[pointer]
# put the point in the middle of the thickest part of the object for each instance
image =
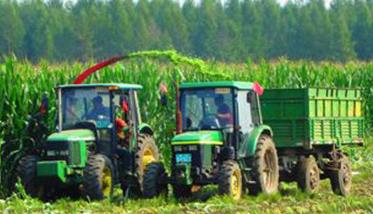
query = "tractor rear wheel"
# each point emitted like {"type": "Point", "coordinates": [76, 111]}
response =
{"type": "Point", "coordinates": [26, 171]}
{"type": "Point", "coordinates": [98, 178]}
{"type": "Point", "coordinates": [147, 152]}
{"type": "Point", "coordinates": [182, 191]}
{"type": "Point", "coordinates": [308, 178]}
{"type": "Point", "coordinates": [154, 180]}
{"type": "Point", "coordinates": [341, 180]}
{"type": "Point", "coordinates": [230, 180]}
{"type": "Point", "coordinates": [265, 167]}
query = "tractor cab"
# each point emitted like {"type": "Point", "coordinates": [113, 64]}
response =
{"type": "Point", "coordinates": [99, 111]}
{"type": "Point", "coordinates": [229, 109]}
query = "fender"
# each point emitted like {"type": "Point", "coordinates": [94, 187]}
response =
{"type": "Point", "coordinates": [145, 128]}
{"type": "Point", "coordinates": [249, 147]}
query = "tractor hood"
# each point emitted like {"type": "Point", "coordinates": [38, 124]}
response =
{"type": "Point", "coordinates": [198, 137]}
{"type": "Point", "coordinates": [73, 135]}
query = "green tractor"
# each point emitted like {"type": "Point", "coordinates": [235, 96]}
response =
{"type": "Point", "coordinates": [100, 142]}
{"type": "Point", "coordinates": [221, 140]}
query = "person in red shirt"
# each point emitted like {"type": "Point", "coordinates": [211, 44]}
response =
{"type": "Point", "coordinates": [121, 125]}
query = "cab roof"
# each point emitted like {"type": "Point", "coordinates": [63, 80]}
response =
{"type": "Point", "coordinates": [217, 84]}
{"type": "Point", "coordinates": [119, 85]}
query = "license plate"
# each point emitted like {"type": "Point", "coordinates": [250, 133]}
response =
{"type": "Point", "coordinates": [183, 158]}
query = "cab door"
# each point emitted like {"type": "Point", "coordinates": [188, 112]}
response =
{"type": "Point", "coordinates": [245, 115]}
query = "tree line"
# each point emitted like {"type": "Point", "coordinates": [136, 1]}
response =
{"type": "Point", "coordinates": [231, 30]}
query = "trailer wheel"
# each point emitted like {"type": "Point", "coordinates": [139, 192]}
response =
{"type": "Point", "coordinates": [341, 180]}
{"type": "Point", "coordinates": [154, 180]}
{"type": "Point", "coordinates": [308, 178]}
{"type": "Point", "coordinates": [265, 167]}
{"type": "Point", "coordinates": [26, 171]}
{"type": "Point", "coordinates": [98, 178]}
{"type": "Point", "coordinates": [230, 180]}
{"type": "Point", "coordinates": [182, 191]}
{"type": "Point", "coordinates": [147, 152]}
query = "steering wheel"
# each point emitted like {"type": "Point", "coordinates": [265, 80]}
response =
{"type": "Point", "coordinates": [210, 121]}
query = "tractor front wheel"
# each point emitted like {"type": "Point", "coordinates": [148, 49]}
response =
{"type": "Point", "coordinates": [341, 179]}
{"type": "Point", "coordinates": [26, 171]}
{"type": "Point", "coordinates": [154, 182]}
{"type": "Point", "coordinates": [265, 167]}
{"type": "Point", "coordinates": [98, 178]}
{"type": "Point", "coordinates": [230, 180]}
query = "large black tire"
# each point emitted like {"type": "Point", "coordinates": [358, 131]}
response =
{"type": "Point", "coordinates": [265, 167]}
{"type": "Point", "coordinates": [154, 182]}
{"type": "Point", "coordinates": [230, 180]}
{"type": "Point", "coordinates": [26, 171]}
{"type": "Point", "coordinates": [182, 191]}
{"type": "Point", "coordinates": [145, 144]}
{"type": "Point", "coordinates": [308, 175]}
{"type": "Point", "coordinates": [341, 180]}
{"type": "Point", "coordinates": [98, 178]}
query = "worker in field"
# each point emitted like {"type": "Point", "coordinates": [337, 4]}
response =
{"type": "Point", "coordinates": [224, 113]}
{"type": "Point", "coordinates": [122, 121]}
{"type": "Point", "coordinates": [123, 134]}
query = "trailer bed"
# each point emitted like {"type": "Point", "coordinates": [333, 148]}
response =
{"type": "Point", "coordinates": [313, 116]}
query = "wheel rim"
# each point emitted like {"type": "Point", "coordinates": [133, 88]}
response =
{"type": "Point", "coordinates": [314, 177]}
{"type": "Point", "coordinates": [268, 170]}
{"type": "Point", "coordinates": [236, 184]}
{"type": "Point", "coordinates": [106, 183]}
{"type": "Point", "coordinates": [148, 157]}
{"type": "Point", "coordinates": [346, 176]}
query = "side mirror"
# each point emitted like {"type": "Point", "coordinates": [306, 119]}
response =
{"type": "Point", "coordinates": [163, 90]}
{"type": "Point", "coordinates": [44, 106]}
{"type": "Point", "coordinates": [249, 96]}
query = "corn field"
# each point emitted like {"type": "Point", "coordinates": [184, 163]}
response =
{"type": "Point", "coordinates": [22, 85]}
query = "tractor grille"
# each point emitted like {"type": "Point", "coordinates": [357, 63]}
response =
{"type": "Point", "coordinates": [58, 150]}
{"type": "Point", "coordinates": [74, 153]}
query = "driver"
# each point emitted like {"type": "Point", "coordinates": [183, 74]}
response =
{"type": "Point", "coordinates": [224, 113]}
{"type": "Point", "coordinates": [98, 109]}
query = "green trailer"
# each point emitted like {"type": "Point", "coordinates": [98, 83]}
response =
{"type": "Point", "coordinates": [310, 125]}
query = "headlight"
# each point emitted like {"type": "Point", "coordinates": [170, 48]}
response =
{"type": "Point", "coordinates": [193, 148]}
{"type": "Point", "coordinates": [51, 153]}
{"type": "Point", "coordinates": [178, 148]}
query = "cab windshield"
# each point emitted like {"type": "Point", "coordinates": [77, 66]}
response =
{"type": "Point", "coordinates": [206, 109]}
{"type": "Point", "coordinates": [85, 104]}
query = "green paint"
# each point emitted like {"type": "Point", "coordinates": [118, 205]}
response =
{"type": "Point", "coordinates": [303, 117]}
{"type": "Point", "coordinates": [197, 143]}
{"type": "Point", "coordinates": [198, 137]}
{"type": "Point", "coordinates": [145, 128]}
{"type": "Point", "coordinates": [217, 84]}
{"type": "Point", "coordinates": [72, 135]}
{"type": "Point", "coordinates": [119, 85]}
{"type": "Point", "coordinates": [55, 169]}
{"type": "Point", "coordinates": [248, 148]}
